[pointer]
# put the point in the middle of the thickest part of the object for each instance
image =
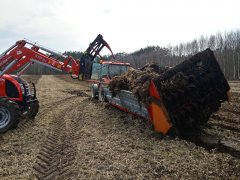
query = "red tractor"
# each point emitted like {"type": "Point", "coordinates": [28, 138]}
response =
{"type": "Point", "coordinates": [17, 97]}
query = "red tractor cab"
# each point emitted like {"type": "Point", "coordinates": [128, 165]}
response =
{"type": "Point", "coordinates": [101, 75]}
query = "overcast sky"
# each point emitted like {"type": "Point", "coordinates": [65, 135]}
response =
{"type": "Point", "coordinates": [127, 25]}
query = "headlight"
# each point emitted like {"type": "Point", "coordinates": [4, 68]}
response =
{"type": "Point", "coordinates": [25, 88]}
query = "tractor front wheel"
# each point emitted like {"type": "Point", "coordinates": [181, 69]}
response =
{"type": "Point", "coordinates": [9, 114]}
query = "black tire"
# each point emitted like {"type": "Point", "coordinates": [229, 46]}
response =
{"type": "Point", "coordinates": [33, 109]}
{"type": "Point", "coordinates": [9, 114]}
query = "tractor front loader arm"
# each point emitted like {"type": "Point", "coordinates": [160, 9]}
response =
{"type": "Point", "coordinates": [24, 53]}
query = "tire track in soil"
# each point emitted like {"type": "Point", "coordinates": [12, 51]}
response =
{"type": "Point", "coordinates": [224, 122]}
{"type": "Point", "coordinates": [26, 123]}
{"type": "Point", "coordinates": [211, 140]}
{"type": "Point", "coordinates": [222, 135]}
{"type": "Point", "coordinates": [230, 110]}
{"type": "Point", "coordinates": [221, 117]}
{"type": "Point", "coordinates": [47, 108]}
{"type": "Point", "coordinates": [226, 126]}
{"type": "Point", "coordinates": [58, 153]}
{"type": "Point", "coordinates": [30, 134]}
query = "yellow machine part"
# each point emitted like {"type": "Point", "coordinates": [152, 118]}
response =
{"type": "Point", "coordinates": [159, 115]}
{"type": "Point", "coordinates": [160, 119]}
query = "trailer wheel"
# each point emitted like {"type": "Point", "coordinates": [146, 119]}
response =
{"type": "Point", "coordinates": [101, 96]}
{"type": "Point", "coordinates": [33, 109]}
{"type": "Point", "coordinates": [93, 93]}
{"type": "Point", "coordinates": [9, 114]}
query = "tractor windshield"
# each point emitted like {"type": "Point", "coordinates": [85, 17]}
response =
{"type": "Point", "coordinates": [117, 69]}
{"type": "Point", "coordinates": [111, 70]}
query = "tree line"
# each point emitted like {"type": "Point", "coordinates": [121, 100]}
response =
{"type": "Point", "coordinates": [226, 47]}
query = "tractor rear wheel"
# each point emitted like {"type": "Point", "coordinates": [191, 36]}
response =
{"type": "Point", "coordinates": [9, 114]}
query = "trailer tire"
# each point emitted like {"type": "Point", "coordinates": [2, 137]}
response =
{"type": "Point", "coordinates": [93, 93]}
{"type": "Point", "coordinates": [101, 96]}
{"type": "Point", "coordinates": [33, 109]}
{"type": "Point", "coordinates": [9, 114]}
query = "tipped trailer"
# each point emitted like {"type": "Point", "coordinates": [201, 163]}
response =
{"type": "Point", "coordinates": [176, 111]}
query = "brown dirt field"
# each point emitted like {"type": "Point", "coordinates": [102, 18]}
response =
{"type": "Point", "coordinates": [75, 138]}
{"type": "Point", "coordinates": [32, 79]}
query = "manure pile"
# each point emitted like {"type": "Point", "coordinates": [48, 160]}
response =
{"type": "Point", "coordinates": [191, 91]}
{"type": "Point", "coordinates": [137, 81]}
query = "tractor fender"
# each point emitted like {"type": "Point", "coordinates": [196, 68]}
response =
{"type": "Point", "coordinates": [14, 81]}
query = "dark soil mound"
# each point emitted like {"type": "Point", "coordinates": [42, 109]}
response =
{"type": "Point", "coordinates": [192, 91]}
{"type": "Point", "coordinates": [153, 67]}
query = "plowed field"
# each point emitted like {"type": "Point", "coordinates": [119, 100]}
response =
{"type": "Point", "coordinates": [73, 137]}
